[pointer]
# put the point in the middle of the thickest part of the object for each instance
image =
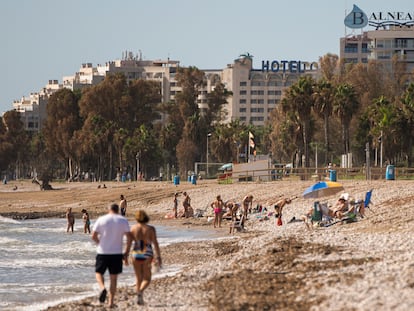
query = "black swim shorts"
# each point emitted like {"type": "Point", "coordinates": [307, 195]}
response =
{"type": "Point", "coordinates": [111, 262]}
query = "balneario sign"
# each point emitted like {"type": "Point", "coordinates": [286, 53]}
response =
{"type": "Point", "coordinates": [358, 19]}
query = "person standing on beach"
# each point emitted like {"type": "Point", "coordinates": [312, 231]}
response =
{"type": "Point", "coordinates": [108, 232]}
{"type": "Point", "coordinates": [186, 205]}
{"type": "Point", "coordinates": [175, 208]}
{"type": "Point", "coordinates": [145, 243]}
{"type": "Point", "coordinates": [123, 205]}
{"type": "Point", "coordinates": [217, 206]}
{"type": "Point", "coordinates": [247, 204]}
{"type": "Point", "coordinates": [86, 221]}
{"type": "Point", "coordinates": [279, 208]}
{"type": "Point", "coordinates": [70, 219]}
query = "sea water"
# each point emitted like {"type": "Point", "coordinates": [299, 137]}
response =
{"type": "Point", "coordinates": [42, 265]}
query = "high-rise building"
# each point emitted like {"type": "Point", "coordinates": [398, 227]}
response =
{"type": "Point", "coordinates": [390, 40]}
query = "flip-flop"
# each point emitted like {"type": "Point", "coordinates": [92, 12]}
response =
{"type": "Point", "coordinates": [102, 296]}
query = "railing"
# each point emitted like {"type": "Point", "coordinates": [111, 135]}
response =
{"type": "Point", "coordinates": [317, 174]}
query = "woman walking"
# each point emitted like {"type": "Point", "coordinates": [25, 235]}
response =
{"type": "Point", "coordinates": [145, 243]}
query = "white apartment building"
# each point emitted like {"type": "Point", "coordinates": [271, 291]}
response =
{"type": "Point", "coordinates": [33, 108]}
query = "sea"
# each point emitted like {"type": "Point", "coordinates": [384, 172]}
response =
{"type": "Point", "coordinates": [41, 265]}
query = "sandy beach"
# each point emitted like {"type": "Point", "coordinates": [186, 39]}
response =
{"type": "Point", "coordinates": [364, 265]}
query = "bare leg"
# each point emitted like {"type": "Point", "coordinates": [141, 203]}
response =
{"type": "Point", "coordinates": [138, 268]}
{"type": "Point", "coordinates": [100, 280]}
{"type": "Point", "coordinates": [146, 275]}
{"type": "Point", "coordinates": [112, 289]}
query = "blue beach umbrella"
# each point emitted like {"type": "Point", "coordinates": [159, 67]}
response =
{"type": "Point", "coordinates": [321, 189]}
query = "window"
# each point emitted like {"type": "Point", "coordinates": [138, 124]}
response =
{"type": "Point", "coordinates": [243, 83]}
{"type": "Point", "coordinates": [260, 110]}
{"type": "Point", "coordinates": [242, 110]}
{"type": "Point", "coordinates": [242, 118]}
{"type": "Point", "coordinates": [257, 92]}
{"type": "Point", "coordinates": [274, 92]}
{"type": "Point", "coordinates": [351, 48]}
{"type": "Point", "coordinates": [257, 118]}
{"type": "Point", "coordinates": [242, 102]}
{"type": "Point", "coordinates": [272, 83]}
{"type": "Point", "coordinates": [258, 83]}
{"type": "Point", "coordinates": [253, 101]}
{"type": "Point", "coordinates": [243, 92]}
{"type": "Point", "coordinates": [272, 101]}
{"type": "Point", "coordinates": [260, 101]}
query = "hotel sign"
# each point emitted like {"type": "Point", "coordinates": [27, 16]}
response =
{"type": "Point", "coordinates": [292, 66]}
{"type": "Point", "coordinates": [358, 19]}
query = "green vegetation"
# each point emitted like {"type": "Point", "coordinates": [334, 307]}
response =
{"type": "Point", "coordinates": [114, 127]}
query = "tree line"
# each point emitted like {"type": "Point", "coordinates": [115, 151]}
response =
{"type": "Point", "coordinates": [105, 129]}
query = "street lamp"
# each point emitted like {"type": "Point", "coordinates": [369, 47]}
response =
{"type": "Point", "coordinates": [137, 158]}
{"type": "Point", "coordinates": [208, 135]}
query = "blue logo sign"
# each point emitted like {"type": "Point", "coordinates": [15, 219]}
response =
{"type": "Point", "coordinates": [356, 19]}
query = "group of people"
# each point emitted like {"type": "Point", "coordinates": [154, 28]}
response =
{"type": "Point", "coordinates": [343, 206]}
{"type": "Point", "coordinates": [187, 211]}
{"type": "Point", "coordinates": [70, 217]}
{"type": "Point", "coordinates": [141, 249]}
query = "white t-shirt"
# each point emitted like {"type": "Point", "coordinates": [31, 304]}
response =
{"type": "Point", "coordinates": [111, 229]}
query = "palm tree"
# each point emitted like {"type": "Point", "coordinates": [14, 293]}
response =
{"type": "Point", "coordinates": [323, 106]}
{"type": "Point", "coordinates": [345, 106]}
{"type": "Point", "coordinates": [299, 101]}
{"type": "Point", "coordinates": [408, 115]}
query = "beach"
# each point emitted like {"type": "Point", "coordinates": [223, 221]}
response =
{"type": "Point", "coordinates": [363, 265]}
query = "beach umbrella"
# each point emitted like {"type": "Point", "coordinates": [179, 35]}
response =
{"type": "Point", "coordinates": [321, 189]}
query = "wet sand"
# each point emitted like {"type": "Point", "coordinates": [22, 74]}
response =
{"type": "Point", "coordinates": [365, 265]}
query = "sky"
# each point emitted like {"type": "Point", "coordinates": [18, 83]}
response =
{"type": "Point", "coordinates": [42, 40]}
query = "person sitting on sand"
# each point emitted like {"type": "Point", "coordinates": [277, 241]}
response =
{"type": "Point", "coordinates": [247, 204]}
{"type": "Point", "coordinates": [217, 206]}
{"type": "Point", "coordinates": [145, 238]}
{"type": "Point", "coordinates": [70, 219]}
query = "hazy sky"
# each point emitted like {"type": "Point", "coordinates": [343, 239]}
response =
{"type": "Point", "coordinates": [43, 40]}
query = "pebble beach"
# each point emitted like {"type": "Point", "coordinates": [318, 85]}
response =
{"type": "Point", "coordinates": [364, 265]}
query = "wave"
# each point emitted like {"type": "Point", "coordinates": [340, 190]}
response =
{"type": "Point", "coordinates": [8, 220]}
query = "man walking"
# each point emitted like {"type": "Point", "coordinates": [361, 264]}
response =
{"type": "Point", "coordinates": [108, 232]}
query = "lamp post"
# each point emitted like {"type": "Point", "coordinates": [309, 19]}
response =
{"type": "Point", "coordinates": [137, 158]}
{"type": "Point", "coordinates": [208, 135]}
